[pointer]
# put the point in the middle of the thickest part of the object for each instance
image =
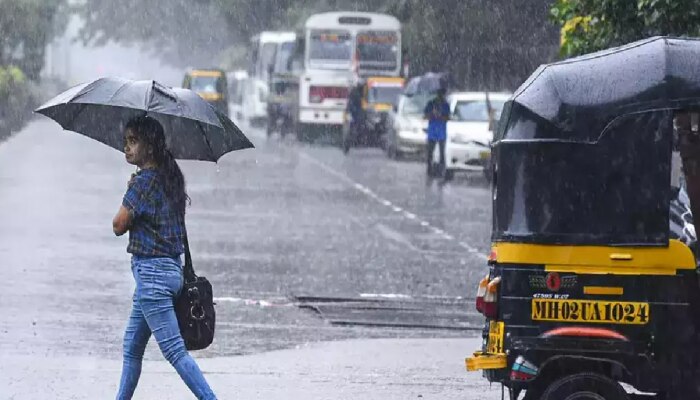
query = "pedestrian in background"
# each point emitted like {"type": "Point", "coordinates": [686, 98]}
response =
{"type": "Point", "coordinates": [437, 112]}
{"type": "Point", "coordinates": [153, 212]}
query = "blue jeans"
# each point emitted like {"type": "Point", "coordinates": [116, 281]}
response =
{"type": "Point", "coordinates": [158, 283]}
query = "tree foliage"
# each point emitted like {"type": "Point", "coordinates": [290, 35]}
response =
{"type": "Point", "coordinates": [183, 32]}
{"type": "Point", "coordinates": [590, 25]}
{"type": "Point", "coordinates": [484, 45]}
{"type": "Point", "coordinates": [26, 26]}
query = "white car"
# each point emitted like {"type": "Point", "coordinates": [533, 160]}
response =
{"type": "Point", "coordinates": [469, 137]}
{"type": "Point", "coordinates": [405, 132]}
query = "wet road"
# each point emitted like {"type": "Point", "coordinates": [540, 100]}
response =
{"type": "Point", "coordinates": [301, 243]}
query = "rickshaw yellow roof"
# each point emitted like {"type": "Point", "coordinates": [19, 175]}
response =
{"type": "Point", "coordinates": [204, 72]}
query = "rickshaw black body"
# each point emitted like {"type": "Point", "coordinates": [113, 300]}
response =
{"type": "Point", "coordinates": [582, 166]}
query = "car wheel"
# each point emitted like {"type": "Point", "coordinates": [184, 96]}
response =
{"type": "Point", "coordinates": [584, 386]}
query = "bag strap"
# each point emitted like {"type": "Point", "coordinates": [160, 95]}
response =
{"type": "Point", "coordinates": [188, 270]}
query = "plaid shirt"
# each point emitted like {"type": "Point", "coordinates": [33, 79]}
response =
{"type": "Point", "coordinates": [156, 229]}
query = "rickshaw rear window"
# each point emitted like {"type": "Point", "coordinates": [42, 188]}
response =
{"type": "Point", "coordinates": [384, 94]}
{"type": "Point", "coordinates": [614, 191]}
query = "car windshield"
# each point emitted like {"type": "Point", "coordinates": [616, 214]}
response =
{"type": "Point", "coordinates": [414, 105]}
{"type": "Point", "coordinates": [204, 84]}
{"type": "Point", "coordinates": [330, 46]}
{"type": "Point", "coordinates": [477, 110]}
{"type": "Point", "coordinates": [384, 94]}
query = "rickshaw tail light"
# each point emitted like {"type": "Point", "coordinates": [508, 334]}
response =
{"type": "Point", "coordinates": [481, 292]}
{"type": "Point", "coordinates": [493, 256]}
{"type": "Point", "coordinates": [490, 308]}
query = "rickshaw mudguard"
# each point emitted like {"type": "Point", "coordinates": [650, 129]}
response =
{"type": "Point", "coordinates": [620, 361]}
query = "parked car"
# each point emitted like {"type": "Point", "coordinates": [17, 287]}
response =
{"type": "Point", "coordinates": [470, 130]}
{"type": "Point", "coordinates": [405, 131]}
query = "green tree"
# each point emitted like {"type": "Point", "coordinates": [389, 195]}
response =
{"type": "Point", "coordinates": [26, 27]}
{"type": "Point", "coordinates": [590, 25]}
{"type": "Point", "coordinates": [182, 32]}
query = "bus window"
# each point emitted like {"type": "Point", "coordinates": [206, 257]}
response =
{"type": "Point", "coordinates": [378, 50]}
{"type": "Point", "coordinates": [330, 46]}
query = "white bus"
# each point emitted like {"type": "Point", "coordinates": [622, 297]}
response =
{"type": "Point", "coordinates": [339, 47]}
{"type": "Point", "coordinates": [264, 48]}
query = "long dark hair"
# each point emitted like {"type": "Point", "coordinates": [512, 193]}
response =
{"type": "Point", "coordinates": [151, 132]}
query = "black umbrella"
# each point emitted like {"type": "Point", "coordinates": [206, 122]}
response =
{"type": "Point", "coordinates": [583, 95]}
{"type": "Point", "coordinates": [426, 84]}
{"type": "Point", "coordinates": [100, 109]}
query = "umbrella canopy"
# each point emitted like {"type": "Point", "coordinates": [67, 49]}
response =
{"type": "Point", "coordinates": [426, 84]}
{"type": "Point", "coordinates": [579, 97]}
{"type": "Point", "coordinates": [194, 130]}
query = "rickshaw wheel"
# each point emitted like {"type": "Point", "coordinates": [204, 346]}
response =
{"type": "Point", "coordinates": [584, 386]}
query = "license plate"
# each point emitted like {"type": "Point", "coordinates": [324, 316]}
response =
{"type": "Point", "coordinates": [484, 155]}
{"type": "Point", "coordinates": [605, 312]}
{"type": "Point", "coordinates": [495, 343]}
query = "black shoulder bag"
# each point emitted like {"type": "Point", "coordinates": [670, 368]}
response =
{"type": "Point", "coordinates": [195, 307]}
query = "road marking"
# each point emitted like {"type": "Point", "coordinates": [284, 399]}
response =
{"type": "Point", "coordinates": [384, 296]}
{"type": "Point", "coordinates": [406, 214]}
{"type": "Point", "coordinates": [396, 236]}
{"type": "Point", "coordinates": [255, 302]}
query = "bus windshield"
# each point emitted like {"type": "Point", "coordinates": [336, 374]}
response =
{"type": "Point", "coordinates": [267, 58]}
{"type": "Point", "coordinates": [330, 46]}
{"type": "Point", "coordinates": [284, 54]}
{"type": "Point", "coordinates": [378, 50]}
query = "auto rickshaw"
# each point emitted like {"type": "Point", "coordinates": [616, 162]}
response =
{"type": "Point", "coordinates": [369, 103]}
{"type": "Point", "coordinates": [211, 85]}
{"type": "Point", "coordinates": [592, 288]}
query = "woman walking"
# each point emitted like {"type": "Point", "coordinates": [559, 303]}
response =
{"type": "Point", "coordinates": [153, 212]}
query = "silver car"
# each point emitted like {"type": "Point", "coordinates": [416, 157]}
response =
{"type": "Point", "coordinates": [405, 133]}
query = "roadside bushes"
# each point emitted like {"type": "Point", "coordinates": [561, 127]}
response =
{"type": "Point", "coordinates": [16, 100]}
